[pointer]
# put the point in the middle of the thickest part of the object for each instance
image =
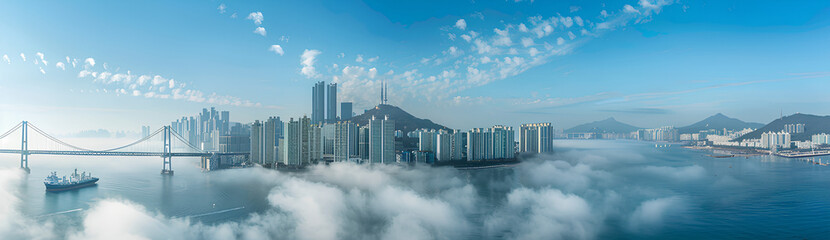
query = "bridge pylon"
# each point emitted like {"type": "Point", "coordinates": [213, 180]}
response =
{"type": "Point", "coordinates": [167, 167]}
{"type": "Point", "coordinates": [24, 147]}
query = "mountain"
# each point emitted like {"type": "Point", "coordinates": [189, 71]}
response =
{"type": "Point", "coordinates": [718, 121]}
{"type": "Point", "coordinates": [812, 125]}
{"type": "Point", "coordinates": [609, 125]}
{"type": "Point", "coordinates": [403, 120]}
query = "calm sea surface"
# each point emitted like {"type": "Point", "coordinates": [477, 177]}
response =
{"type": "Point", "coordinates": [756, 197]}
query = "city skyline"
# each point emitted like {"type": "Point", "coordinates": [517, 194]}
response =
{"type": "Point", "coordinates": [647, 63]}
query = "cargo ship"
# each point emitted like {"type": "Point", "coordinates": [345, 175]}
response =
{"type": "Point", "coordinates": [54, 183]}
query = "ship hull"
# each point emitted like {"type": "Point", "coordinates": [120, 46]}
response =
{"type": "Point", "coordinates": [64, 187]}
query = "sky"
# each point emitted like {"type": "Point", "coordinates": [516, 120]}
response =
{"type": "Point", "coordinates": [80, 65]}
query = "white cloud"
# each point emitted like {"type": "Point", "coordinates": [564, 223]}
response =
{"type": "Point", "coordinates": [523, 28]}
{"type": "Point", "coordinates": [307, 60]}
{"type": "Point", "coordinates": [578, 20]}
{"type": "Point", "coordinates": [373, 59]}
{"type": "Point", "coordinates": [527, 42]}
{"type": "Point", "coordinates": [571, 35]}
{"type": "Point", "coordinates": [466, 37]}
{"type": "Point", "coordinates": [461, 24]}
{"type": "Point", "coordinates": [90, 62]}
{"type": "Point", "coordinates": [629, 9]}
{"type": "Point", "coordinates": [276, 49]}
{"type": "Point", "coordinates": [42, 71]}
{"type": "Point", "coordinates": [603, 13]}
{"type": "Point", "coordinates": [502, 38]}
{"type": "Point", "coordinates": [560, 41]}
{"type": "Point", "coordinates": [566, 21]}
{"type": "Point", "coordinates": [533, 52]}
{"type": "Point", "coordinates": [260, 31]}
{"type": "Point", "coordinates": [22, 56]}
{"type": "Point", "coordinates": [7, 59]}
{"type": "Point", "coordinates": [221, 8]}
{"type": "Point", "coordinates": [451, 36]}
{"type": "Point", "coordinates": [256, 17]}
{"type": "Point", "coordinates": [41, 56]}
{"type": "Point", "coordinates": [359, 58]}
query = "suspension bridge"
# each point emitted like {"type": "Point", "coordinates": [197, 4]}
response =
{"type": "Point", "coordinates": [171, 144]}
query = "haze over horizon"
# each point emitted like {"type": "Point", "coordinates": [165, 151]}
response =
{"type": "Point", "coordinates": [74, 66]}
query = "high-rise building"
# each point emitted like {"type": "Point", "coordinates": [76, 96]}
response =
{"type": "Point", "coordinates": [457, 145]}
{"type": "Point", "coordinates": [296, 140]}
{"type": "Point", "coordinates": [443, 145]}
{"type": "Point", "coordinates": [381, 140]}
{"type": "Point", "coordinates": [490, 143]}
{"type": "Point", "coordinates": [270, 140]}
{"type": "Point", "coordinates": [318, 95]}
{"type": "Point", "coordinates": [345, 111]}
{"type": "Point", "coordinates": [363, 142]}
{"type": "Point", "coordinates": [145, 131]}
{"type": "Point", "coordinates": [331, 103]}
{"type": "Point", "coordinates": [256, 154]}
{"type": "Point", "coordinates": [315, 143]}
{"type": "Point", "coordinates": [345, 144]}
{"type": "Point", "coordinates": [536, 138]}
{"type": "Point", "coordinates": [426, 140]}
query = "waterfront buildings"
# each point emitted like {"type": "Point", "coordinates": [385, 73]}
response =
{"type": "Point", "coordinates": [297, 142]}
{"type": "Point", "coordinates": [821, 138]}
{"type": "Point", "coordinates": [264, 140]}
{"type": "Point", "coordinates": [381, 140]}
{"type": "Point", "coordinates": [772, 140]}
{"type": "Point", "coordinates": [668, 134]}
{"type": "Point", "coordinates": [536, 138]}
{"type": "Point", "coordinates": [490, 143]}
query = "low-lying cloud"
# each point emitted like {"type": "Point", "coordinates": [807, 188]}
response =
{"type": "Point", "coordinates": [561, 196]}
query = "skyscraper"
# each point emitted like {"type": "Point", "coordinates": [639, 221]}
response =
{"type": "Point", "coordinates": [536, 138]}
{"type": "Point", "coordinates": [256, 154]}
{"type": "Point", "coordinates": [270, 140]}
{"type": "Point", "coordinates": [381, 140]}
{"type": "Point", "coordinates": [331, 103]}
{"type": "Point", "coordinates": [345, 144]}
{"type": "Point", "coordinates": [318, 95]}
{"type": "Point", "coordinates": [345, 111]}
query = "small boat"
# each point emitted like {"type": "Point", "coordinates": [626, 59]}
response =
{"type": "Point", "coordinates": [54, 183]}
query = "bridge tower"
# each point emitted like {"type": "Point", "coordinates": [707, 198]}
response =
{"type": "Point", "coordinates": [24, 147]}
{"type": "Point", "coordinates": [167, 168]}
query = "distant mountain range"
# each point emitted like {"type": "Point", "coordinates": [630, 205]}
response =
{"type": "Point", "coordinates": [718, 121]}
{"type": "Point", "coordinates": [403, 120]}
{"type": "Point", "coordinates": [609, 125]}
{"type": "Point", "coordinates": [812, 125]}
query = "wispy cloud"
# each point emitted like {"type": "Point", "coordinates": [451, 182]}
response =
{"type": "Point", "coordinates": [260, 31]}
{"type": "Point", "coordinates": [276, 49]}
{"type": "Point", "coordinates": [307, 61]}
{"type": "Point", "coordinates": [256, 17]}
{"type": "Point", "coordinates": [221, 8]}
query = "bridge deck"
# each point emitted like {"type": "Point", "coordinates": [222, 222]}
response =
{"type": "Point", "coordinates": [102, 153]}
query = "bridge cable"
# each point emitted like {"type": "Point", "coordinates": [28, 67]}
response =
{"type": "Point", "coordinates": [57, 140]}
{"type": "Point", "coordinates": [12, 130]}
{"type": "Point", "coordinates": [136, 142]}
{"type": "Point", "coordinates": [176, 134]}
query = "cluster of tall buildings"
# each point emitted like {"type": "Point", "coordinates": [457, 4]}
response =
{"type": "Point", "coordinates": [324, 104]}
{"type": "Point", "coordinates": [300, 142]}
{"type": "Point", "coordinates": [794, 128]}
{"type": "Point", "coordinates": [821, 138]}
{"type": "Point", "coordinates": [205, 130]}
{"type": "Point", "coordinates": [323, 137]}
{"type": "Point", "coordinates": [773, 140]}
{"type": "Point", "coordinates": [478, 144]}
{"type": "Point", "coordinates": [669, 134]}
{"type": "Point", "coordinates": [536, 138]}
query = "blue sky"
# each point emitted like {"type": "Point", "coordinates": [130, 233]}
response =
{"type": "Point", "coordinates": [460, 63]}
